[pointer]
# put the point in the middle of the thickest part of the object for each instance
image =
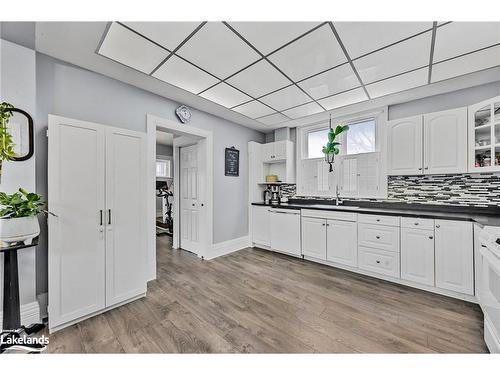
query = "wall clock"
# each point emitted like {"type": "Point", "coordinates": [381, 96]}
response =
{"type": "Point", "coordinates": [183, 113]}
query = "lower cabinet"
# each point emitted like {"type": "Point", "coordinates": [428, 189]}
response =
{"type": "Point", "coordinates": [314, 237]}
{"type": "Point", "coordinates": [417, 255]}
{"type": "Point", "coordinates": [454, 256]}
{"type": "Point", "coordinates": [341, 241]}
{"type": "Point", "coordinates": [260, 225]}
{"type": "Point", "coordinates": [379, 261]}
{"type": "Point", "coordinates": [285, 231]}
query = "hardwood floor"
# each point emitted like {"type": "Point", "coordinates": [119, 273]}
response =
{"type": "Point", "coordinates": [254, 301]}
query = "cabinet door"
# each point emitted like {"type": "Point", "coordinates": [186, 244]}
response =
{"type": "Point", "coordinates": [445, 141]}
{"type": "Point", "coordinates": [126, 215]}
{"type": "Point", "coordinates": [342, 242]}
{"type": "Point", "coordinates": [349, 176]}
{"type": "Point", "coordinates": [285, 231]}
{"type": "Point", "coordinates": [417, 255]}
{"type": "Point", "coordinates": [260, 226]}
{"type": "Point", "coordinates": [314, 237]}
{"type": "Point", "coordinates": [404, 146]}
{"type": "Point", "coordinates": [454, 256]}
{"type": "Point", "coordinates": [76, 253]}
{"type": "Point", "coordinates": [268, 152]}
{"type": "Point", "coordinates": [368, 174]}
{"type": "Point", "coordinates": [280, 150]}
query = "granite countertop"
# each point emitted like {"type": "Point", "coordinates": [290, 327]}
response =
{"type": "Point", "coordinates": [484, 216]}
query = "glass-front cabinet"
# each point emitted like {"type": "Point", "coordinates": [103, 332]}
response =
{"type": "Point", "coordinates": [484, 136]}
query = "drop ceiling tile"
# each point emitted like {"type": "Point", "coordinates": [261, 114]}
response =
{"type": "Point", "coordinates": [269, 36]}
{"type": "Point", "coordinates": [360, 38]}
{"type": "Point", "coordinates": [286, 98]}
{"type": "Point", "coordinates": [128, 48]}
{"type": "Point", "coordinates": [473, 62]}
{"type": "Point", "coordinates": [167, 34]}
{"type": "Point", "coordinates": [309, 55]}
{"type": "Point", "coordinates": [254, 109]}
{"type": "Point", "coordinates": [259, 79]}
{"type": "Point", "coordinates": [331, 82]}
{"type": "Point", "coordinates": [457, 38]}
{"type": "Point", "coordinates": [225, 95]}
{"type": "Point", "coordinates": [303, 110]}
{"type": "Point", "coordinates": [218, 50]}
{"type": "Point", "coordinates": [399, 83]}
{"type": "Point", "coordinates": [273, 119]}
{"type": "Point", "coordinates": [410, 54]}
{"type": "Point", "coordinates": [343, 99]}
{"type": "Point", "coordinates": [184, 75]}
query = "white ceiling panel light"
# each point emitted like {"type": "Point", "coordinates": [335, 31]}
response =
{"type": "Point", "coordinates": [253, 109]}
{"type": "Point", "coordinates": [274, 119]}
{"type": "Point", "coordinates": [225, 95]}
{"type": "Point", "coordinates": [408, 55]}
{"type": "Point", "coordinates": [269, 36]}
{"type": "Point", "coordinates": [315, 52]}
{"type": "Point", "coordinates": [487, 58]}
{"type": "Point", "coordinates": [343, 99]}
{"type": "Point", "coordinates": [303, 110]}
{"type": "Point", "coordinates": [128, 48]}
{"type": "Point", "coordinates": [286, 98]}
{"type": "Point", "coordinates": [184, 75]}
{"type": "Point", "coordinates": [167, 34]}
{"type": "Point", "coordinates": [457, 38]}
{"type": "Point", "coordinates": [399, 83]}
{"type": "Point", "coordinates": [360, 38]}
{"type": "Point", "coordinates": [218, 50]}
{"type": "Point", "coordinates": [259, 79]}
{"type": "Point", "coordinates": [331, 82]}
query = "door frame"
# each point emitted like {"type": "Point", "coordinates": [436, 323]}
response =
{"type": "Point", "coordinates": [154, 123]}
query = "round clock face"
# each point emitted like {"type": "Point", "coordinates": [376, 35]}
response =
{"type": "Point", "coordinates": [183, 113]}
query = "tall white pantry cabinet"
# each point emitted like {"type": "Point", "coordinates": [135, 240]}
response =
{"type": "Point", "coordinates": [97, 240]}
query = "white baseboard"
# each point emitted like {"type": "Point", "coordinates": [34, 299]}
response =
{"type": "Point", "coordinates": [30, 313]}
{"type": "Point", "coordinates": [230, 246]}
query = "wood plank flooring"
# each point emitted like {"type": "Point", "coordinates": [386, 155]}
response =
{"type": "Point", "coordinates": [254, 301]}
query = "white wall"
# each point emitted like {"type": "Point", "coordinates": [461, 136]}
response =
{"type": "Point", "coordinates": [17, 86]}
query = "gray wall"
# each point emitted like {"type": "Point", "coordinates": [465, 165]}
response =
{"type": "Point", "coordinates": [70, 91]}
{"type": "Point", "coordinates": [455, 99]}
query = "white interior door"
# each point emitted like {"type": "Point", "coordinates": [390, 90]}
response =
{"type": "Point", "coordinates": [190, 199]}
{"type": "Point", "coordinates": [125, 217]}
{"type": "Point", "coordinates": [76, 259]}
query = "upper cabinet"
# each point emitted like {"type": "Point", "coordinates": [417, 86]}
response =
{"type": "Point", "coordinates": [276, 152]}
{"type": "Point", "coordinates": [430, 144]}
{"type": "Point", "coordinates": [484, 136]}
{"type": "Point", "coordinates": [275, 158]}
{"type": "Point", "coordinates": [360, 175]}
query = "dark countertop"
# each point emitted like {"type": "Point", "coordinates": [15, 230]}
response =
{"type": "Point", "coordinates": [483, 216]}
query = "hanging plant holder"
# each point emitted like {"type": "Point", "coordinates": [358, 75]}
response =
{"type": "Point", "coordinates": [331, 149]}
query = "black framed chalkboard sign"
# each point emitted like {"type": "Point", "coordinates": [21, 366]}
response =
{"type": "Point", "coordinates": [232, 162]}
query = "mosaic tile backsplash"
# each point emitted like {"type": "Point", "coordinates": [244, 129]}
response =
{"type": "Point", "coordinates": [481, 190]}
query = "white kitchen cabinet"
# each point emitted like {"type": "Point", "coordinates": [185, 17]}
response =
{"type": "Point", "coordinates": [275, 152]}
{"type": "Point", "coordinates": [404, 146]}
{"type": "Point", "coordinates": [285, 231]}
{"type": "Point", "coordinates": [342, 240]}
{"type": "Point", "coordinates": [445, 141]}
{"type": "Point", "coordinates": [268, 152]}
{"type": "Point", "coordinates": [360, 175]}
{"type": "Point", "coordinates": [429, 144]}
{"type": "Point", "coordinates": [484, 136]}
{"type": "Point", "coordinates": [417, 255]}
{"type": "Point", "coordinates": [314, 237]}
{"type": "Point", "coordinates": [260, 225]}
{"type": "Point", "coordinates": [454, 256]}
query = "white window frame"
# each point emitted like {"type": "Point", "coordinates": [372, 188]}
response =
{"type": "Point", "coordinates": [160, 158]}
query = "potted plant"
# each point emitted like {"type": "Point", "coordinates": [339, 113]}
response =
{"type": "Point", "coordinates": [332, 148]}
{"type": "Point", "coordinates": [18, 216]}
{"type": "Point", "coordinates": [6, 143]}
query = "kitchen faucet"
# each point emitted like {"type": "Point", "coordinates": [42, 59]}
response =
{"type": "Point", "coordinates": [338, 200]}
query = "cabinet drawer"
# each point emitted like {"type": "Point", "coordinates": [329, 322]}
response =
{"type": "Point", "coordinates": [417, 223]}
{"type": "Point", "coordinates": [332, 215]}
{"type": "Point", "coordinates": [379, 261]}
{"type": "Point", "coordinates": [379, 219]}
{"type": "Point", "coordinates": [378, 237]}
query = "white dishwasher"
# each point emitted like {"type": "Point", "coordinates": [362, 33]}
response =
{"type": "Point", "coordinates": [285, 231]}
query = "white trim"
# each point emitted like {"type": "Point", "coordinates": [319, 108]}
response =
{"type": "Point", "coordinates": [153, 123]}
{"type": "Point", "coordinates": [227, 247]}
{"type": "Point", "coordinates": [30, 314]}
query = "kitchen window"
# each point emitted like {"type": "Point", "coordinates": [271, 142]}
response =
{"type": "Point", "coordinates": [163, 168]}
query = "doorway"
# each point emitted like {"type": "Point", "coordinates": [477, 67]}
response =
{"type": "Point", "coordinates": [192, 179]}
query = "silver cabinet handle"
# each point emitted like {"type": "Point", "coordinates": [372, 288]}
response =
{"type": "Point", "coordinates": [378, 219]}
{"type": "Point", "coordinates": [109, 216]}
{"type": "Point", "coordinates": [426, 168]}
{"type": "Point", "coordinates": [430, 237]}
{"type": "Point", "coordinates": [284, 212]}
{"type": "Point", "coordinates": [323, 224]}
{"type": "Point", "coordinates": [100, 215]}
{"type": "Point", "coordinates": [438, 226]}
{"type": "Point", "coordinates": [377, 261]}
{"type": "Point", "coordinates": [416, 223]}
{"type": "Point", "coordinates": [377, 237]}
{"type": "Point", "coordinates": [419, 169]}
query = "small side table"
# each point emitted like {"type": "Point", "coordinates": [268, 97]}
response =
{"type": "Point", "coordinates": [11, 308]}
